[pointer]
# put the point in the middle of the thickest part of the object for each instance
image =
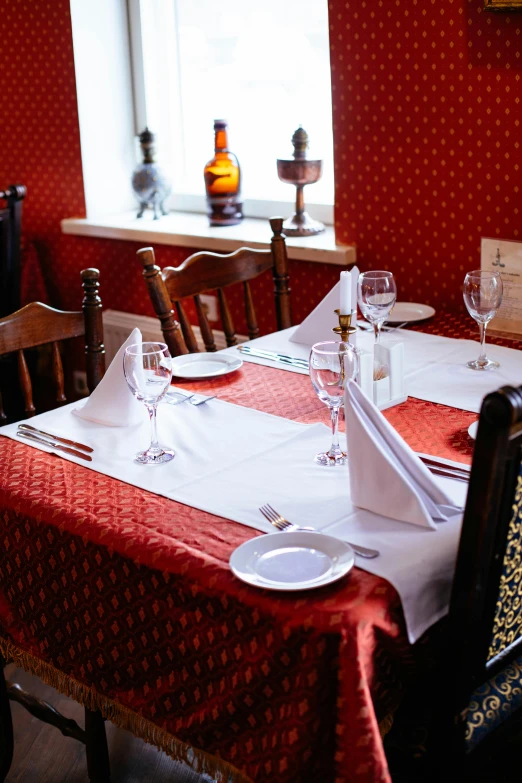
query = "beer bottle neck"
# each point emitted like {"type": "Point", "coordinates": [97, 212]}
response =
{"type": "Point", "coordinates": [221, 142]}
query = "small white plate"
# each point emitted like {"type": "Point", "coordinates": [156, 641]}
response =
{"type": "Point", "coordinates": [293, 560]}
{"type": "Point", "coordinates": [472, 430]}
{"type": "Point", "coordinates": [204, 365]}
{"type": "Point", "coordinates": [409, 312]}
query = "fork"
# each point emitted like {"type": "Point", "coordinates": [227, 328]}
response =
{"type": "Point", "coordinates": [174, 398]}
{"type": "Point", "coordinates": [281, 523]}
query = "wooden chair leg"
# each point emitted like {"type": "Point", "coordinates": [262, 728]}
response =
{"type": "Point", "coordinates": [6, 728]}
{"type": "Point", "coordinates": [98, 766]}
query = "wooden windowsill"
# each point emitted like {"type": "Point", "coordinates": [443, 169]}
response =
{"type": "Point", "coordinates": [191, 229]}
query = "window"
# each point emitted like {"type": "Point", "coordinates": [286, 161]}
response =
{"type": "Point", "coordinates": [265, 67]}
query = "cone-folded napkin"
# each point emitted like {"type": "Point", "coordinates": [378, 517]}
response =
{"type": "Point", "coordinates": [318, 326]}
{"type": "Point", "coordinates": [112, 402]}
{"type": "Point", "coordinates": [386, 476]}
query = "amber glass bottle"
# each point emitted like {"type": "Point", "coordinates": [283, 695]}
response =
{"type": "Point", "coordinates": [223, 182]}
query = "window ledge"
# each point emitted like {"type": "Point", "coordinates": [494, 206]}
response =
{"type": "Point", "coordinates": [189, 229]}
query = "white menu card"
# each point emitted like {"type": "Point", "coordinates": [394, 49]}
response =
{"type": "Point", "coordinates": [505, 257]}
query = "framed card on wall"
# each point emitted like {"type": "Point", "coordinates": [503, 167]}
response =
{"type": "Point", "coordinates": [505, 257]}
{"type": "Point", "coordinates": [503, 5]}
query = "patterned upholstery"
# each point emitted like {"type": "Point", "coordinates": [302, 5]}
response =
{"type": "Point", "coordinates": [497, 699]}
{"type": "Point", "coordinates": [492, 703]}
{"type": "Point", "coordinates": [507, 624]}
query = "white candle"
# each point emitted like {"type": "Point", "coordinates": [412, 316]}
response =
{"type": "Point", "coordinates": [355, 278]}
{"type": "Point", "coordinates": [345, 303]}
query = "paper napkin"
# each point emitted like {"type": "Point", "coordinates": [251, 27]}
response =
{"type": "Point", "coordinates": [386, 476]}
{"type": "Point", "coordinates": [112, 402]}
{"type": "Point", "coordinates": [318, 326]}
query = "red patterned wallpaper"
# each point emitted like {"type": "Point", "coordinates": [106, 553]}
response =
{"type": "Point", "coordinates": [426, 125]}
{"type": "Point", "coordinates": [427, 136]}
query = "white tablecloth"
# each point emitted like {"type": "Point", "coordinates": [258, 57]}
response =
{"type": "Point", "coordinates": [230, 460]}
{"type": "Point", "coordinates": [435, 367]}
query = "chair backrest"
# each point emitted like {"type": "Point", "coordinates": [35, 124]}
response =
{"type": "Point", "coordinates": [485, 618]}
{"type": "Point", "coordinates": [10, 235]}
{"type": "Point", "coordinates": [37, 324]}
{"type": "Point", "coordinates": [213, 271]}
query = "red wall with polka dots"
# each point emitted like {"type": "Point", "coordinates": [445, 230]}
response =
{"type": "Point", "coordinates": [427, 153]}
{"type": "Point", "coordinates": [427, 136]}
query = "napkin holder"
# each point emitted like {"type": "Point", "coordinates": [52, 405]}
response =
{"type": "Point", "coordinates": [381, 374]}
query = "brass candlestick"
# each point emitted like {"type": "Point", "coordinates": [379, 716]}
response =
{"type": "Point", "coordinates": [300, 172]}
{"type": "Point", "coordinates": [345, 327]}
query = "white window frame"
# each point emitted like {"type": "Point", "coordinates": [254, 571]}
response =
{"type": "Point", "coordinates": [183, 202]}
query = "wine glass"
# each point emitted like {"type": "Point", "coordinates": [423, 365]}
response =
{"type": "Point", "coordinates": [482, 296]}
{"type": "Point", "coordinates": [331, 365]}
{"type": "Point", "coordinates": [376, 295]}
{"type": "Point", "coordinates": [148, 372]}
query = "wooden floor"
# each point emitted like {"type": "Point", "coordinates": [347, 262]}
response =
{"type": "Point", "coordinates": [43, 755]}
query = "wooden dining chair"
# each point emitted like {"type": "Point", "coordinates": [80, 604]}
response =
{"type": "Point", "coordinates": [37, 324]}
{"type": "Point", "coordinates": [472, 704]}
{"type": "Point", "coordinates": [203, 272]}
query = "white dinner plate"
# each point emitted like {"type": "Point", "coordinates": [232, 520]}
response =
{"type": "Point", "coordinates": [293, 560]}
{"type": "Point", "coordinates": [472, 430]}
{"type": "Point", "coordinates": [204, 365]}
{"type": "Point", "coordinates": [409, 312]}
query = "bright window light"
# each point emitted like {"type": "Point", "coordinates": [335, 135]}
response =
{"type": "Point", "coordinates": [264, 67]}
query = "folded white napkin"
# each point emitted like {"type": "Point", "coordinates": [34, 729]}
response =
{"type": "Point", "coordinates": [386, 476]}
{"type": "Point", "coordinates": [112, 402]}
{"type": "Point", "coordinates": [318, 326]}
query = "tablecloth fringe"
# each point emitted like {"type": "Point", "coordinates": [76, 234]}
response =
{"type": "Point", "coordinates": [198, 760]}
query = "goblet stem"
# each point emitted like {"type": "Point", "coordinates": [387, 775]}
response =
{"type": "Point", "coordinates": [154, 445]}
{"type": "Point", "coordinates": [482, 358]}
{"type": "Point", "coordinates": [377, 330]}
{"type": "Point", "coordinates": [335, 449]}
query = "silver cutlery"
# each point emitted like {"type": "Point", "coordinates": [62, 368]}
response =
{"type": "Point", "coordinates": [394, 328]}
{"type": "Point", "coordinates": [58, 438]}
{"type": "Point", "coordinates": [53, 444]}
{"type": "Point", "coordinates": [448, 473]}
{"type": "Point", "coordinates": [431, 462]}
{"type": "Point", "coordinates": [272, 356]}
{"type": "Point", "coordinates": [199, 399]}
{"type": "Point", "coordinates": [281, 523]}
{"type": "Point", "coordinates": [366, 327]}
{"type": "Point", "coordinates": [174, 398]}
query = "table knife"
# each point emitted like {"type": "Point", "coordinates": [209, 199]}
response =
{"type": "Point", "coordinates": [56, 437]}
{"type": "Point", "coordinates": [272, 356]}
{"type": "Point", "coordinates": [53, 444]}
{"type": "Point", "coordinates": [432, 462]}
{"type": "Point", "coordinates": [448, 473]}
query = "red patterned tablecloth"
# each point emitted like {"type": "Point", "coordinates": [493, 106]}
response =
{"type": "Point", "coordinates": [125, 601]}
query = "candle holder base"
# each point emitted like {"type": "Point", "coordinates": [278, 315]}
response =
{"type": "Point", "coordinates": [302, 225]}
{"type": "Point", "coordinates": [345, 327]}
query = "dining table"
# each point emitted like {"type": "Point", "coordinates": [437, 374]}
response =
{"type": "Point", "coordinates": [125, 601]}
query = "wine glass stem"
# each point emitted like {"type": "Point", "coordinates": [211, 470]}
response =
{"type": "Point", "coordinates": [482, 358]}
{"type": "Point", "coordinates": [377, 330]}
{"type": "Point", "coordinates": [334, 414]}
{"type": "Point", "coordinates": [154, 445]}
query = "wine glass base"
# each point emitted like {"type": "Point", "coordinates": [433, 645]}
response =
{"type": "Point", "coordinates": [154, 457]}
{"type": "Point", "coordinates": [331, 460]}
{"type": "Point", "coordinates": [488, 364]}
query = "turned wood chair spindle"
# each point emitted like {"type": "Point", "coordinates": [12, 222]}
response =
{"type": "Point", "coordinates": [37, 324]}
{"type": "Point", "coordinates": [205, 271]}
